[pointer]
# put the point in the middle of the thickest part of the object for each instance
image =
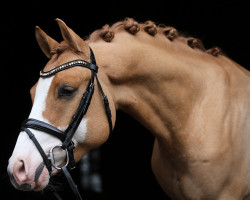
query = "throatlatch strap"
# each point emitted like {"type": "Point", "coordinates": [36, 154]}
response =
{"type": "Point", "coordinates": [106, 106]}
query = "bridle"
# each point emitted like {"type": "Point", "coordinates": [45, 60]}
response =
{"type": "Point", "coordinates": [67, 135]}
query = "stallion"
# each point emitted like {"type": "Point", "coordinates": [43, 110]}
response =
{"type": "Point", "coordinates": [194, 101]}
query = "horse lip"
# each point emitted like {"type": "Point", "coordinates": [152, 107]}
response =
{"type": "Point", "coordinates": [12, 179]}
{"type": "Point", "coordinates": [25, 187]}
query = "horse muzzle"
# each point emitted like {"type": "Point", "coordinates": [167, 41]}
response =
{"type": "Point", "coordinates": [23, 178]}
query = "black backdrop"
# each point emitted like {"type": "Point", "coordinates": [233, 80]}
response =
{"type": "Point", "coordinates": [125, 163]}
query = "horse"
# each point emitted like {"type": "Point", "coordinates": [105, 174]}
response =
{"type": "Point", "coordinates": [194, 101]}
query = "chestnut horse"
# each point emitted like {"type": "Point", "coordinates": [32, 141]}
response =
{"type": "Point", "coordinates": [196, 103]}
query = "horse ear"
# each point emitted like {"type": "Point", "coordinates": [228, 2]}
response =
{"type": "Point", "coordinates": [45, 42]}
{"type": "Point", "coordinates": [74, 41]}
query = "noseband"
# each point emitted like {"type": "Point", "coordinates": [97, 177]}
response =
{"type": "Point", "coordinates": [67, 135]}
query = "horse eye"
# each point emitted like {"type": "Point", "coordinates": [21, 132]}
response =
{"type": "Point", "coordinates": [65, 91]}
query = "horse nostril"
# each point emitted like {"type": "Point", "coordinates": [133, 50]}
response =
{"type": "Point", "coordinates": [20, 172]}
{"type": "Point", "coordinates": [21, 169]}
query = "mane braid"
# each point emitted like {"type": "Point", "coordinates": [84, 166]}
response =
{"type": "Point", "coordinates": [150, 28]}
{"type": "Point", "coordinates": [195, 43]}
{"type": "Point", "coordinates": [107, 33]}
{"type": "Point", "coordinates": [131, 26]}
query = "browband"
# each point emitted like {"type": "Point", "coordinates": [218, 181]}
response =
{"type": "Point", "coordinates": [68, 65]}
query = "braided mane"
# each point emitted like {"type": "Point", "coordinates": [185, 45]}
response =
{"type": "Point", "coordinates": [107, 33]}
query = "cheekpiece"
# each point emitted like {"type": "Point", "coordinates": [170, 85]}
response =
{"type": "Point", "coordinates": [67, 65]}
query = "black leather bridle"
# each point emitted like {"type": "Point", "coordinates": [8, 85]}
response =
{"type": "Point", "coordinates": [67, 135]}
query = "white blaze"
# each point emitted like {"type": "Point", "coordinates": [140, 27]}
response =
{"type": "Point", "coordinates": [39, 105]}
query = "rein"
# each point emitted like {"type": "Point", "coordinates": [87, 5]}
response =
{"type": "Point", "coordinates": [67, 135]}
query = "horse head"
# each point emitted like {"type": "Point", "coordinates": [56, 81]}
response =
{"type": "Point", "coordinates": [55, 101]}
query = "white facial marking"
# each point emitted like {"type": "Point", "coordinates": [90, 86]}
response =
{"type": "Point", "coordinates": [25, 147]}
{"type": "Point", "coordinates": [81, 131]}
{"type": "Point", "coordinates": [42, 90]}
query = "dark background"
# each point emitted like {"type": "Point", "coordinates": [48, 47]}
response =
{"type": "Point", "coordinates": [125, 163]}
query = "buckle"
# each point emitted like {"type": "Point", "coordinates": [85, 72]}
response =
{"type": "Point", "coordinates": [52, 158]}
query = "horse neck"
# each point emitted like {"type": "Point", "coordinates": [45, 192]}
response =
{"type": "Point", "coordinates": [157, 82]}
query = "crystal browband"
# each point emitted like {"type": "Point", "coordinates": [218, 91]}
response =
{"type": "Point", "coordinates": [67, 65]}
